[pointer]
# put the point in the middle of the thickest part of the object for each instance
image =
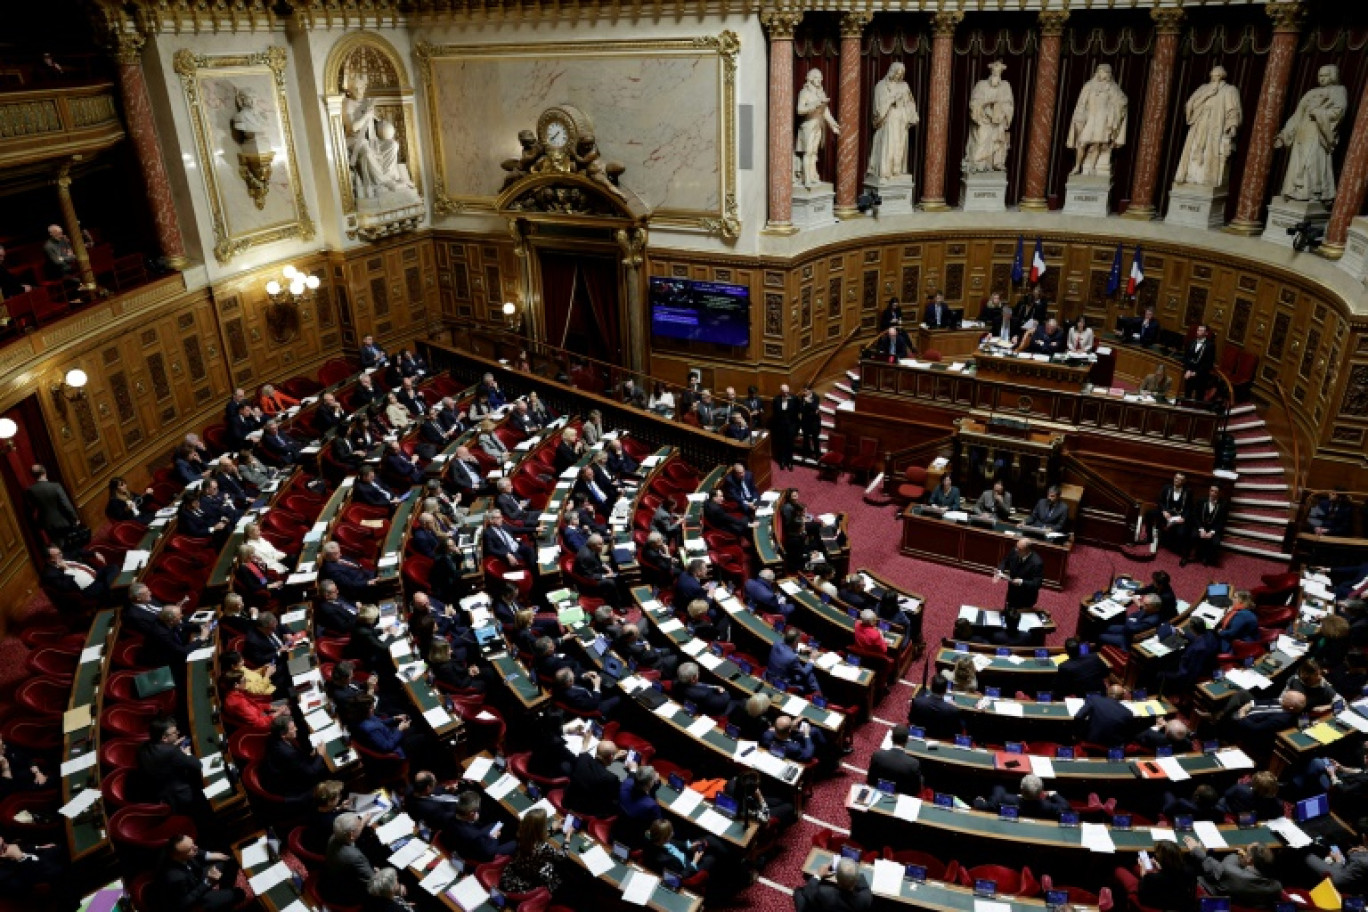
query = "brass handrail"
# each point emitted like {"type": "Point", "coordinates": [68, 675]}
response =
{"type": "Point", "coordinates": [831, 354]}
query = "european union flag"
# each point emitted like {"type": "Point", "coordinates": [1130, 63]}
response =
{"type": "Point", "coordinates": [1114, 277]}
{"type": "Point", "coordinates": [1018, 273]}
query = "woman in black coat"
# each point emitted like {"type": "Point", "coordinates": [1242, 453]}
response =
{"type": "Point", "coordinates": [810, 422]}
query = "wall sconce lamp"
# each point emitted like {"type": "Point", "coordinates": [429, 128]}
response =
{"type": "Point", "coordinates": [513, 317]}
{"type": "Point", "coordinates": [8, 430]}
{"type": "Point", "coordinates": [69, 389]}
{"type": "Point", "coordinates": [299, 288]}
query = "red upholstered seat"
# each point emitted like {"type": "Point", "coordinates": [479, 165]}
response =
{"type": "Point", "coordinates": [44, 695]}
{"type": "Point", "coordinates": [863, 462]}
{"type": "Point", "coordinates": [914, 484]}
{"type": "Point", "coordinates": [1010, 882]}
{"type": "Point", "coordinates": [832, 462]}
{"type": "Point", "coordinates": [142, 826]}
{"type": "Point", "coordinates": [128, 720]}
{"type": "Point", "coordinates": [54, 662]}
{"type": "Point", "coordinates": [517, 765]}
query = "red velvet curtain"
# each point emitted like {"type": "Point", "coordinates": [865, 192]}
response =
{"type": "Point", "coordinates": [580, 304]}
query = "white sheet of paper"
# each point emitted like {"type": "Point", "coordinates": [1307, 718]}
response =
{"type": "Point", "coordinates": [92, 653]}
{"type": "Point", "coordinates": [255, 855]}
{"type": "Point", "coordinates": [597, 860]}
{"type": "Point", "coordinates": [1073, 704]}
{"type": "Point", "coordinates": [845, 672]}
{"type": "Point", "coordinates": [701, 726]}
{"type": "Point", "coordinates": [708, 660]}
{"type": "Point", "coordinates": [1042, 766]}
{"type": "Point", "coordinates": [1162, 834]}
{"type": "Point", "coordinates": [713, 822]}
{"type": "Point", "coordinates": [545, 805]}
{"type": "Point", "coordinates": [987, 905]}
{"type": "Point", "coordinates": [291, 617]}
{"type": "Point", "coordinates": [1096, 838]}
{"type": "Point", "coordinates": [1232, 758]}
{"type": "Point", "coordinates": [318, 720]}
{"type": "Point", "coordinates": [667, 709]}
{"type": "Point", "coordinates": [323, 736]}
{"type": "Point", "coordinates": [76, 764]}
{"type": "Point", "coordinates": [468, 893]}
{"type": "Point", "coordinates": [888, 877]}
{"type": "Point", "coordinates": [1295, 836]}
{"type": "Point", "coordinates": [693, 647]}
{"type": "Point", "coordinates": [1207, 833]}
{"type": "Point", "coordinates": [479, 768]}
{"type": "Point", "coordinates": [687, 801]}
{"type": "Point", "coordinates": [440, 877]}
{"type": "Point", "coordinates": [201, 655]}
{"type": "Point", "coordinates": [502, 786]}
{"type": "Point", "coordinates": [437, 716]}
{"type": "Point", "coordinates": [1172, 768]}
{"type": "Point", "coordinates": [907, 808]}
{"type": "Point", "coordinates": [639, 889]}
{"type": "Point", "coordinates": [671, 625]}
{"type": "Point", "coordinates": [408, 854]}
{"type": "Point", "coordinates": [78, 805]}
{"type": "Point", "coordinates": [1008, 708]}
{"type": "Point", "coordinates": [217, 787]}
{"type": "Point", "coordinates": [276, 873]}
{"type": "Point", "coordinates": [396, 829]}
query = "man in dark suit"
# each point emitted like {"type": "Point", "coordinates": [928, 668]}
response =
{"type": "Point", "coordinates": [1030, 801]}
{"type": "Point", "coordinates": [264, 645]}
{"type": "Point", "coordinates": [892, 346]}
{"type": "Point", "coordinates": [372, 355]}
{"type": "Point", "coordinates": [602, 579]}
{"type": "Point", "coordinates": [602, 498]}
{"type": "Point", "coordinates": [1144, 331]}
{"type": "Point", "coordinates": [432, 804]}
{"type": "Point", "coordinates": [401, 467]}
{"type": "Point", "coordinates": [515, 512]}
{"type": "Point", "coordinates": [1024, 571]}
{"type": "Point", "coordinates": [895, 765]}
{"type": "Point", "coordinates": [1048, 339]}
{"type": "Point", "coordinates": [451, 418]}
{"type": "Point", "coordinates": [738, 486]}
{"type": "Point", "coordinates": [521, 419]}
{"type": "Point", "coordinates": [1169, 518]}
{"type": "Point", "coordinates": [593, 788]}
{"type": "Point", "coordinates": [231, 483]}
{"type": "Point", "coordinates": [584, 697]}
{"type": "Point", "coordinates": [1081, 673]}
{"type": "Point", "coordinates": [365, 393]}
{"type": "Point", "coordinates": [166, 771]}
{"type": "Point", "coordinates": [1208, 523]}
{"type": "Point", "coordinates": [347, 873]}
{"type": "Point", "coordinates": [191, 878]}
{"type": "Point", "coordinates": [764, 596]}
{"type": "Point", "coordinates": [715, 516]}
{"type": "Point", "coordinates": [500, 542]}
{"type": "Point", "coordinates": [1255, 725]}
{"type": "Point", "coordinates": [840, 888]}
{"type": "Point", "coordinates": [1105, 720]}
{"type": "Point", "coordinates": [1050, 513]}
{"type": "Point", "coordinates": [193, 520]}
{"type": "Point", "coordinates": [710, 699]}
{"type": "Point", "coordinates": [276, 447]}
{"type": "Point", "coordinates": [1198, 360]}
{"type": "Point", "coordinates": [1196, 661]}
{"type": "Point", "coordinates": [368, 490]}
{"type": "Point", "coordinates": [142, 610]}
{"type": "Point", "coordinates": [353, 581]}
{"type": "Point", "coordinates": [568, 450]}
{"type": "Point", "coordinates": [291, 767]}
{"type": "Point", "coordinates": [938, 314]}
{"type": "Point", "coordinates": [784, 422]}
{"type": "Point", "coordinates": [242, 424]}
{"type": "Point", "coordinates": [217, 504]}
{"type": "Point", "coordinates": [50, 507]}
{"type": "Point", "coordinates": [345, 451]}
{"type": "Point", "coordinates": [411, 398]}
{"type": "Point", "coordinates": [787, 666]}
{"type": "Point", "coordinates": [1034, 306]}
{"type": "Point", "coordinates": [931, 711]}
{"type": "Point", "coordinates": [328, 415]}
{"type": "Point", "coordinates": [465, 475]}
{"type": "Point", "coordinates": [84, 574]}
{"type": "Point", "coordinates": [170, 641]}
{"type": "Point", "coordinates": [432, 437]}
{"type": "Point", "coordinates": [473, 841]}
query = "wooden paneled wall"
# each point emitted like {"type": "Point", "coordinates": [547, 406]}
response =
{"type": "Point", "coordinates": [476, 274]}
{"type": "Point", "coordinates": [163, 360]}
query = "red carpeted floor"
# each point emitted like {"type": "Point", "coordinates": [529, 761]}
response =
{"type": "Point", "coordinates": [875, 536]}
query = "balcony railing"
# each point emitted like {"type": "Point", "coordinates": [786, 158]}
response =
{"type": "Point", "coordinates": [58, 122]}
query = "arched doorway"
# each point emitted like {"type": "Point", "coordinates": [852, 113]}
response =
{"type": "Point", "coordinates": [580, 303]}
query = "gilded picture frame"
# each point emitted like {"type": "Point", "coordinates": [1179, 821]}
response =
{"type": "Point", "coordinates": [247, 209]}
{"type": "Point", "coordinates": [722, 49]}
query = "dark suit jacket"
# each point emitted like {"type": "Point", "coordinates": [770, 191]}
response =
{"type": "Point", "coordinates": [1210, 519]}
{"type": "Point", "coordinates": [708, 699]}
{"type": "Point", "coordinates": [1200, 362]}
{"type": "Point", "coordinates": [1105, 721]}
{"type": "Point", "coordinates": [351, 579]}
{"type": "Point", "coordinates": [166, 773]}
{"type": "Point", "coordinates": [496, 545]}
{"type": "Point", "coordinates": [400, 466]}
{"type": "Point", "coordinates": [740, 490]}
{"type": "Point", "coordinates": [346, 875]}
{"type": "Point", "coordinates": [717, 517]}
{"type": "Point", "coordinates": [182, 886]}
{"type": "Point", "coordinates": [687, 589]}
{"type": "Point", "coordinates": [593, 789]}
{"type": "Point", "coordinates": [289, 770]}
{"type": "Point", "coordinates": [1148, 332]}
{"type": "Point", "coordinates": [373, 494]}
{"type": "Point", "coordinates": [165, 646]}
{"type": "Point", "coordinates": [258, 650]}
{"type": "Point", "coordinates": [429, 809]}
{"type": "Point", "coordinates": [195, 524]}
{"type": "Point", "coordinates": [1081, 676]}
{"type": "Point", "coordinates": [940, 719]}
{"type": "Point", "coordinates": [589, 564]}
{"type": "Point", "coordinates": [824, 896]}
{"type": "Point", "coordinates": [601, 503]}
{"type": "Point", "coordinates": [472, 840]}
{"type": "Point", "coordinates": [280, 447]}
{"type": "Point", "coordinates": [897, 347]}
{"type": "Point", "coordinates": [939, 316]}
{"type": "Point", "coordinates": [897, 767]}
{"type": "Point", "coordinates": [1030, 570]}
{"type": "Point", "coordinates": [565, 456]}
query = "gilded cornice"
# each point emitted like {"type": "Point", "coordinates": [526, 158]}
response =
{"type": "Point", "coordinates": [853, 23]}
{"type": "Point", "coordinates": [1168, 20]}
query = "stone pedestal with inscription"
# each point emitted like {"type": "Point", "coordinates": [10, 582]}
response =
{"type": "Point", "coordinates": [1197, 206]}
{"type": "Point", "coordinates": [1283, 213]}
{"type": "Point", "coordinates": [813, 207]}
{"type": "Point", "coordinates": [1087, 194]}
{"type": "Point", "coordinates": [1355, 259]}
{"type": "Point", "coordinates": [984, 191]}
{"type": "Point", "coordinates": [897, 193]}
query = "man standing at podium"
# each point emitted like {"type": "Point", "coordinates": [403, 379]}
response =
{"type": "Point", "coordinates": [938, 315]}
{"type": "Point", "coordinates": [1023, 570]}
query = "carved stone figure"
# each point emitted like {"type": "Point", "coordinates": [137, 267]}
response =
{"type": "Point", "coordinates": [249, 121]}
{"type": "Point", "coordinates": [1213, 115]}
{"type": "Point", "coordinates": [1312, 133]}
{"type": "Point", "coordinates": [991, 106]}
{"type": "Point", "coordinates": [1099, 123]}
{"type": "Point", "coordinates": [361, 125]}
{"type": "Point", "coordinates": [603, 173]}
{"type": "Point", "coordinates": [520, 167]}
{"type": "Point", "coordinates": [814, 109]}
{"type": "Point", "coordinates": [393, 174]}
{"type": "Point", "coordinates": [249, 125]}
{"type": "Point", "coordinates": [895, 112]}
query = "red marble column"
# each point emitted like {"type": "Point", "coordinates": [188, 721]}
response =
{"type": "Point", "coordinates": [1168, 26]}
{"type": "Point", "coordinates": [1043, 110]}
{"type": "Point", "coordinates": [781, 25]}
{"type": "Point", "coordinates": [138, 121]}
{"type": "Point", "coordinates": [848, 142]}
{"type": "Point", "coordinates": [1272, 95]}
{"type": "Point", "coordinates": [938, 116]}
{"type": "Point", "coordinates": [1351, 187]}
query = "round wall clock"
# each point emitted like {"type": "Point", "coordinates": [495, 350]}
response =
{"type": "Point", "coordinates": [560, 127]}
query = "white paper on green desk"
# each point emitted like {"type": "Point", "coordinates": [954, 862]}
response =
{"type": "Point", "coordinates": [693, 647]}
{"type": "Point", "coordinates": [888, 877]}
{"type": "Point", "coordinates": [468, 893]}
{"type": "Point", "coordinates": [84, 799]}
{"type": "Point", "coordinates": [291, 617]}
{"type": "Point", "coordinates": [545, 805]}
{"type": "Point", "coordinates": [907, 808]}
{"type": "Point", "coordinates": [255, 854]}
{"type": "Point", "coordinates": [1207, 833]}
{"type": "Point", "coordinates": [834, 719]}
{"type": "Point", "coordinates": [741, 754]}
{"type": "Point", "coordinates": [397, 828]}
{"type": "Point", "coordinates": [298, 579]}
{"type": "Point", "coordinates": [502, 786]}
{"type": "Point", "coordinates": [766, 762]}
{"type": "Point", "coordinates": [1163, 834]}
{"type": "Point", "coordinates": [440, 877]}
{"type": "Point", "coordinates": [400, 648]}
{"type": "Point", "coordinates": [201, 655]}
{"type": "Point", "coordinates": [713, 822]}
{"type": "Point", "coordinates": [92, 653]}
{"type": "Point", "coordinates": [211, 764]}
{"type": "Point", "coordinates": [639, 888]}
{"type": "Point", "coordinates": [1013, 659]}
{"type": "Point", "coordinates": [826, 660]}
{"type": "Point", "coordinates": [732, 605]}
{"type": "Point", "coordinates": [846, 672]}
{"type": "Point", "coordinates": [685, 803]}
{"type": "Point", "coordinates": [324, 735]}
{"type": "Point", "coordinates": [671, 625]}
{"type": "Point", "coordinates": [76, 764]}
{"type": "Point", "coordinates": [318, 720]}
{"type": "Point", "coordinates": [437, 717]}
{"type": "Point", "coordinates": [408, 854]}
{"type": "Point", "coordinates": [1096, 838]}
{"type": "Point", "coordinates": [1232, 758]}
{"type": "Point", "coordinates": [1172, 768]}
{"type": "Point", "coordinates": [1042, 766]}
{"type": "Point", "coordinates": [597, 860]}
{"type": "Point", "coordinates": [985, 905]}
{"type": "Point", "coordinates": [1073, 704]}
{"type": "Point", "coordinates": [708, 660]}
{"type": "Point", "coordinates": [667, 709]}
{"type": "Point", "coordinates": [701, 726]}
{"type": "Point", "coordinates": [478, 768]}
{"type": "Point", "coordinates": [790, 586]}
{"type": "Point", "coordinates": [1284, 827]}
{"type": "Point", "coordinates": [1008, 708]}
{"type": "Point", "coordinates": [276, 873]}
{"type": "Point", "coordinates": [794, 705]}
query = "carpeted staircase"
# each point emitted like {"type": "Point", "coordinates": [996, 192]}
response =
{"type": "Point", "coordinates": [1260, 507]}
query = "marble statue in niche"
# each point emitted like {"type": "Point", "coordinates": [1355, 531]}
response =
{"type": "Point", "coordinates": [1312, 132]}
{"type": "Point", "coordinates": [814, 110]}
{"type": "Point", "coordinates": [373, 154]}
{"type": "Point", "coordinates": [1214, 114]}
{"type": "Point", "coordinates": [991, 105]}
{"type": "Point", "coordinates": [250, 130]}
{"type": "Point", "coordinates": [1099, 123]}
{"type": "Point", "coordinates": [895, 113]}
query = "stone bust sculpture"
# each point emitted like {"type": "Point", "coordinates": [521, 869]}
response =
{"type": "Point", "coordinates": [814, 110]}
{"type": "Point", "coordinates": [249, 121]}
{"type": "Point", "coordinates": [991, 106]}
{"type": "Point", "coordinates": [1099, 123]}
{"type": "Point", "coordinates": [1312, 132]}
{"type": "Point", "coordinates": [895, 112]}
{"type": "Point", "coordinates": [1213, 116]}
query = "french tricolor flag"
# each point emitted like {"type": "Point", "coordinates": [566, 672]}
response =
{"type": "Point", "coordinates": [1137, 273]}
{"type": "Point", "coordinates": [1037, 262]}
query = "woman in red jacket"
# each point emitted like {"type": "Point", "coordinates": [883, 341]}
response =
{"type": "Point", "coordinates": [239, 709]}
{"type": "Point", "coordinates": [868, 636]}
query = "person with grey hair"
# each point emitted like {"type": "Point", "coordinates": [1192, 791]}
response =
{"type": "Point", "coordinates": [787, 662]}
{"type": "Point", "coordinates": [1136, 624]}
{"type": "Point", "coordinates": [1030, 801]}
{"type": "Point", "coordinates": [710, 699]}
{"type": "Point", "coordinates": [637, 800]}
{"type": "Point", "coordinates": [346, 874]}
{"type": "Point", "coordinates": [169, 642]}
{"type": "Point", "coordinates": [385, 891]}
{"type": "Point", "coordinates": [472, 840]}
{"type": "Point", "coordinates": [1243, 875]}
{"type": "Point", "coordinates": [839, 888]}
{"type": "Point", "coordinates": [763, 595]}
